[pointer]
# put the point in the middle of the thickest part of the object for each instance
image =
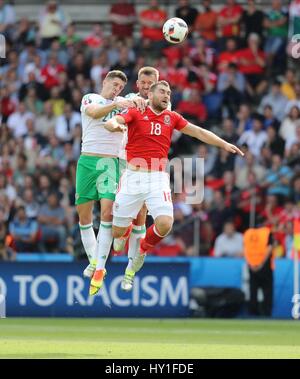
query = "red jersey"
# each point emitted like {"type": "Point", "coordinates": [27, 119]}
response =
{"type": "Point", "coordinates": [149, 136]}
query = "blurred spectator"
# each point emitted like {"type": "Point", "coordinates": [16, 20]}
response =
{"type": "Point", "coordinates": [192, 108]}
{"type": "Point", "coordinates": [228, 131]}
{"type": "Point", "coordinates": [152, 20]}
{"type": "Point", "coordinates": [229, 243]}
{"type": "Point", "coordinates": [255, 137]}
{"type": "Point", "coordinates": [66, 123]}
{"type": "Point", "coordinates": [293, 142]}
{"type": "Point", "coordinates": [95, 40]}
{"type": "Point", "coordinates": [229, 20]}
{"type": "Point", "coordinates": [229, 189]}
{"type": "Point", "coordinates": [187, 13]}
{"type": "Point", "coordinates": [78, 66]}
{"type": "Point", "coordinates": [295, 101]}
{"type": "Point", "coordinates": [24, 231]}
{"type": "Point", "coordinates": [63, 53]}
{"type": "Point", "coordinates": [69, 39]}
{"type": "Point", "coordinates": [274, 142]}
{"type": "Point", "coordinates": [251, 62]}
{"type": "Point", "coordinates": [209, 155]}
{"type": "Point", "coordinates": [224, 162]}
{"type": "Point", "coordinates": [45, 123]}
{"type": "Point", "coordinates": [229, 55]}
{"type": "Point", "coordinates": [57, 101]}
{"type": "Point", "coordinates": [123, 17]}
{"type": "Point", "coordinates": [43, 189]}
{"type": "Point", "coordinates": [32, 103]}
{"type": "Point", "coordinates": [288, 84]}
{"type": "Point", "coordinates": [50, 72]}
{"type": "Point", "coordinates": [52, 22]}
{"type": "Point", "coordinates": [202, 53]}
{"type": "Point", "coordinates": [250, 201]}
{"type": "Point", "coordinates": [219, 213]}
{"type": "Point", "coordinates": [276, 25]}
{"type": "Point", "coordinates": [31, 206]}
{"type": "Point", "coordinates": [52, 222]}
{"type": "Point", "coordinates": [289, 124]}
{"type": "Point", "coordinates": [276, 99]}
{"type": "Point", "coordinates": [243, 118]}
{"type": "Point", "coordinates": [277, 180]}
{"type": "Point", "coordinates": [251, 165]}
{"type": "Point", "coordinates": [98, 71]}
{"type": "Point", "coordinates": [252, 20]}
{"type": "Point", "coordinates": [124, 63]}
{"type": "Point", "coordinates": [17, 120]}
{"type": "Point", "coordinates": [206, 23]}
{"type": "Point", "coordinates": [269, 118]}
{"type": "Point", "coordinates": [33, 82]}
{"type": "Point", "coordinates": [7, 18]}
{"type": "Point", "coordinates": [7, 104]}
{"type": "Point", "coordinates": [232, 85]}
{"type": "Point", "coordinates": [24, 33]}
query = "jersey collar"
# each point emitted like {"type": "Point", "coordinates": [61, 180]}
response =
{"type": "Point", "coordinates": [157, 114]}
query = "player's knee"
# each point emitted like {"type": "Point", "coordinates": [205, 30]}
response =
{"type": "Point", "coordinates": [106, 215]}
{"type": "Point", "coordinates": [163, 225]}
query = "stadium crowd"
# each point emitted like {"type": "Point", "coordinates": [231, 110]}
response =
{"type": "Point", "coordinates": [235, 74]}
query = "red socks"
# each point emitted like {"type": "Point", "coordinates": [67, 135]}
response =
{"type": "Point", "coordinates": [151, 239]}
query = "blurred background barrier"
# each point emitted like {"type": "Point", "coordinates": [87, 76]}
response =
{"type": "Point", "coordinates": [162, 288]}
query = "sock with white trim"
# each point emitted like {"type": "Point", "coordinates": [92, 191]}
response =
{"type": "Point", "coordinates": [137, 233]}
{"type": "Point", "coordinates": [89, 241]}
{"type": "Point", "coordinates": [104, 241]}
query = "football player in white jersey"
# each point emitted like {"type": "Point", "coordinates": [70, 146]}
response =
{"type": "Point", "coordinates": [97, 173]}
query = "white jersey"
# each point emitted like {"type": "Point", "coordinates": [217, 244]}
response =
{"type": "Point", "coordinates": [95, 138]}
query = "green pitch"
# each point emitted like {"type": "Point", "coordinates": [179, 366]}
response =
{"type": "Point", "coordinates": [148, 338]}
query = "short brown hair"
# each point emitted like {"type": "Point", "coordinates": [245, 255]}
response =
{"type": "Point", "coordinates": [161, 82]}
{"type": "Point", "coordinates": [148, 70]}
{"type": "Point", "coordinates": [116, 74]}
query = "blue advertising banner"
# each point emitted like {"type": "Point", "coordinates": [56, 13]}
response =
{"type": "Point", "coordinates": [161, 289]}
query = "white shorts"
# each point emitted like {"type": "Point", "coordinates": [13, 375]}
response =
{"type": "Point", "coordinates": [137, 187]}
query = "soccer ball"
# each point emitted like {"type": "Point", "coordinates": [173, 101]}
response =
{"type": "Point", "coordinates": [175, 30]}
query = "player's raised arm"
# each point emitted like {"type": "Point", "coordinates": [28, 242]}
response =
{"type": "Point", "coordinates": [98, 111]}
{"type": "Point", "coordinates": [210, 138]}
{"type": "Point", "coordinates": [115, 124]}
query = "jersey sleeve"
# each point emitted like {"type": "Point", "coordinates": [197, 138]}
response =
{"type": "Point", "coordinates": [180, 122]}
{"type": "Point", "coordinates": [91, 98]}
{"type": "Point", "coordinates": [128, 115]}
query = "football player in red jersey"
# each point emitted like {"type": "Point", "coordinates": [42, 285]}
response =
{"type": "Point", "coordinates": [145, 179]}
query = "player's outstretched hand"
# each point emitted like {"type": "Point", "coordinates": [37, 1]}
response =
{"type": "Point", "coordinates": [115, 127]}
{"type": "Point", "coordinates": [233, 149]}
{"type": "Point", "coordinates": [140, 103]}
{"type": "Point", "coordinates": [125, 103]}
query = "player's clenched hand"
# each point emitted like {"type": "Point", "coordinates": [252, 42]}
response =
{"type": "Point", "coordinates": [140, 103]}
{"type": "Point", "coordinates": [115, 127]}
{"type": "Point", "coordinates": [125, 103]}
{"type": "Point", "coordinates": [233, 149]}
